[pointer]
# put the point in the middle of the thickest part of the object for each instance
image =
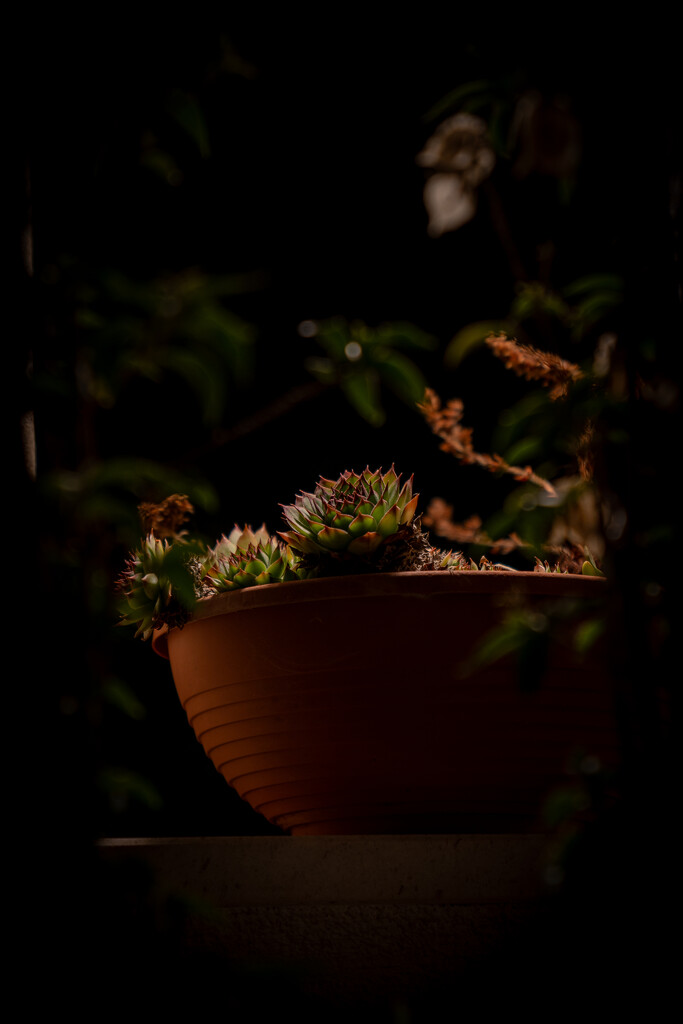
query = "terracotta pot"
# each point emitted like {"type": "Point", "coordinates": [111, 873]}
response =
{"type": "Point", "coordinates": [344, 705]}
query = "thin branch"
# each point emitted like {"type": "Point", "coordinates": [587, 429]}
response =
{"type": "Point", "coordinates": [277, 408]}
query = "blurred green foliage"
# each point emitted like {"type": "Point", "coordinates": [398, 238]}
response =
{"type": "Point", "coordinates": [536, 311]}
{"type": "Point", "coordinates": [362, 360]}
{"type": "Point", "coordinates": [179, 324]}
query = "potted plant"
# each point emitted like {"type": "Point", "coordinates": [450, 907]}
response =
{"type": "Point", "coordinates": [340, 675]}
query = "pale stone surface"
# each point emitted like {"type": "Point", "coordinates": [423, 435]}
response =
{"type": "Point", "coordinates": [354, 916]}
{"type": "Point", "coordinates": [278, 870]}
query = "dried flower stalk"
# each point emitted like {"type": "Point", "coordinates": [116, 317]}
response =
{"type": "Point", "coordinates": [166, 518]}
{"type": "Point", "coordinates": [445, 422]}
{"type": "Point", "coordinates": [566, 557]}
{"type": "Point", "coordinates": [532, 364]}
{"type": "Point", "coordinates": [585, 452]}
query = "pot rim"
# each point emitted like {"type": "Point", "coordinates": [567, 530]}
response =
{"type": "Point", "coordinates": [413, 584]}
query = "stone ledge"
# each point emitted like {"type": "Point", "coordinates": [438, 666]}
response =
{"type": "Point", "coordinates": [281, 870]}
{"type": "Point", "coordinates": [353, 918]}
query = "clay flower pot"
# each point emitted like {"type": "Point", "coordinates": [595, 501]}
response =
{"type": "Point", "coordinates": [346, 705]}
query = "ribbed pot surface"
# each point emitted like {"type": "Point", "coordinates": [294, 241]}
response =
{"type": "Point", "coordinates": [347, 705]}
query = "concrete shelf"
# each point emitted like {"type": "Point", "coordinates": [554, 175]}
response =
{"type": "Point", "coordinates": [357, 918]}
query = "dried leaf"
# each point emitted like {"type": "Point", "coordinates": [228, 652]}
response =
{"type": "Point", "coordinates": [166, 518]}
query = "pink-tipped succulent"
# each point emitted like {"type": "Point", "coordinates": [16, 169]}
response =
{"type": "Point", "coordinates": [146, 587]}
{"type": "Point", "coordinates": [358, 516]}
{"type": "Point", "coordinates": [248, 558]}
{"type": "Point", "coordinates": [361, 522]}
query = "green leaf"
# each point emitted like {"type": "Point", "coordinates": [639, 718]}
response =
{"type": "Point", "coordinates": [471, 336]}
{"type": "Point", "coordinates": [594, 282]}
{"type": "Point", "coordinates": [498, 643]}
{"type": "Point", "coordinates": [244, 579]}
{"type": "Point", "coordinates": [468, 96]}
{"type": "Point", "coordinates": [189, 115]}
{"type": "Point", "coordinates": [341, 522]}
{"type": "Point", "coordinates": [366, 544]}
{"type": "Point", "coordinates": [392, 488]}
{"type": "Point", "coordinates": [333, 540]}
{"type": "Point", "coordinates": [255, 567]}
{"type": "Point", "coordinates": [524, 451]}
{"type": "Point", "coordinates": [230, 338]}
{"type": "Point", "coordinates": [389, 522]}
{"type": "Point", "coordinates": [334, 335]}
{"type": "Point", "coordinates": [263, 578]}
{"type": "Point", "coordinates": [119, 694]}
{"type": "Point", "coordinates": [198, 373]}
{"type": "Point", "coordinates": [124, 786]}
{"type": "Point", "coordinates": [403, 335]}
{"type": "Point", "coordinates": [588, 633]}
{"type": "Point", "coordinates": [589, 568]}
{"type": "Point", "coordinates": [299, 542]}
{"type": "Point", "coordinates": [162, 163]}
{"type": "Point", "coordinates": [89, 319]}
{"type": "Point", "coordinates": [362, 391]}
{"type": "Point", "coordinates": [360, 525]}
{"type": "Point", "coordinates": [410, 509]}
{"type": "Point", "coordinates": [322, 369]}
{"type": "Point", "coordinates": [593, 306]}
{"type": "Point", "coordinates": [182, 582]}
{"type": "Point", "coordinates": [402, 376]}
{"type": "Point", "coordinates": [533, 298]}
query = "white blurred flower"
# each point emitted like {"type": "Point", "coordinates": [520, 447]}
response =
{"type": "Point", "coordinates": [461, 157]}
{"type": "Point", "coordinates": [449, 203]}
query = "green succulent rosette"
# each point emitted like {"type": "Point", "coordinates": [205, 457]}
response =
{"type": "Point", "coordinates": [156, 574]}
{"type": "Point", "coordinates": [249, 558]}
{"type": "Point", "coordinates": [240, 538]}
{"type": "Point", "coordinates": [355, 515]}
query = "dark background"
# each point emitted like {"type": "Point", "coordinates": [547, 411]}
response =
{"type": "Point", "coordinates": [298, 175]}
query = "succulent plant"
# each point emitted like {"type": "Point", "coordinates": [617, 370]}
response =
{"type": "Point", "coordinates": [153, 572]}
{"type": "Point", "coordinates": [361, 522]}
{"type": "Point", "coordinates": [449, 560]}
{"type": "Point", "coordinates": [248, 558]}
{"type": "Point", "coordinates": [240, 538]}
{"type": "Point", "coordinates": [456, 560]}
{"type": "Point", "coordinates": [359, 518]}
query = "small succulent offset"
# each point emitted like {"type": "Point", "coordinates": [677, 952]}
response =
{"type": "Point", "coordinates": [164, 578]}
{"type": "Point", "coordinates": [359, 523]}
{"type": "Point", "coordinates": [146, 587]}
{"type": "Point", "coordinates": [248, 558]}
